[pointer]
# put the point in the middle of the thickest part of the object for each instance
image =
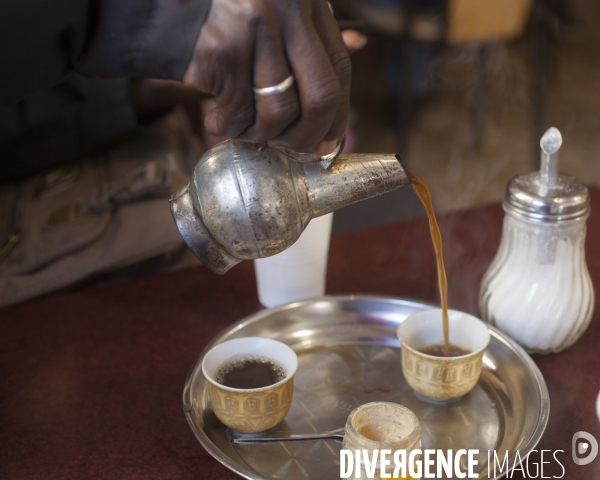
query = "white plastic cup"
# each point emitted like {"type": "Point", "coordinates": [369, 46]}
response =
{"type": "Point", "coordinates": [299, 272]}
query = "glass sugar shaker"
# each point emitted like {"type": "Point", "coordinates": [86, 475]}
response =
{"type": "Point", "coordinates": [538, 289]}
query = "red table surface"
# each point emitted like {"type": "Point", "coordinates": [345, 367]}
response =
{"type": "Point", "coordinates": [91, 381]}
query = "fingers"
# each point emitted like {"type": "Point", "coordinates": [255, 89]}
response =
{"type": "Point", "coordinates": [339, 57]}
{"type": "Point", "coordinates": [354, 40]}
{"type": "Point", "coordinates": [318, 86]}
{"type": "Point", "coordinates": [273, 112]}
{"type": "Point", "coordinates": [149, 96]}
{"type": "Point", "coordinates": [234, 111]}
{"type": "Point", "coordinates": [222, 65]}
{"type": "Point", "coordinates": [247, 43]}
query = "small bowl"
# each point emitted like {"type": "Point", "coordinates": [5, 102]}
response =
{"type": "Point", "coordinates": [389, 425]}
{"type": "Point", "coordinates": [442, 378]}
{"type": "Point", "coordinates": [254, 409]}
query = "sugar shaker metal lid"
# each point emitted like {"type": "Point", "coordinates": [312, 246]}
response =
{"type": "Point", "coordinates": [546, 195]}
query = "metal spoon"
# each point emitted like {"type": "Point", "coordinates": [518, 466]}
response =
{"type": "Point", "coordinates": [236, 437]}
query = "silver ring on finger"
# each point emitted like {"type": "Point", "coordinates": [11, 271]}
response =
{"type": "Point", "coordinates": [275, 89]}
{"type": "Point", "coordinates": [327, 160]}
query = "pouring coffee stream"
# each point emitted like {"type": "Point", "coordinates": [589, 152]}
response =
{"type": "Point", "coordinates": [436, 237]}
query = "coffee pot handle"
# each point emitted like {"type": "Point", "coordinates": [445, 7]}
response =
{"type": "Point", "coordinates": [325, 160]}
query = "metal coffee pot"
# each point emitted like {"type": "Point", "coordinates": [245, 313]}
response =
{"type": "Point", "coordinates": [247, 201]}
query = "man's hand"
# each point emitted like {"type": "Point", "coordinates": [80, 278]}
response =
{"type": "Point", "coordinates": [258, 43]}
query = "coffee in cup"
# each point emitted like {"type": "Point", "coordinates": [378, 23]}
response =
{"type": "Point", "coordinates": [250, 382]}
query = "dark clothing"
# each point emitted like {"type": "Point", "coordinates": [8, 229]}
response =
{"type": "Point", "coordinates": [65, 123]}
{"type": "Point", "coordinates": [43, 41]}
{"type": "Point", "coordinates": [65, 66]}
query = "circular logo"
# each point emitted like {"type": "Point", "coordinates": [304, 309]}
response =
{"type": "Point", "coordinates": [585, 451]}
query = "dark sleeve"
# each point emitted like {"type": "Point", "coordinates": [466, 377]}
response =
{"type": "Point", "coordinates": [43, 41]}
{"type": "Point", "coordinates": [79, 118]}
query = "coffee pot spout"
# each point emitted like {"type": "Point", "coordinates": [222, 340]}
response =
{"type": "Point", "coordinates": [246, 201]}
{"type": "Point", "coordinates": [352, 178]}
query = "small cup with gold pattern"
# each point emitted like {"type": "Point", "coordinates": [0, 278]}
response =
{"type": "Point", "coordinates": [425, 365]}
{"type": "Point", "coordinates": [250, 382]}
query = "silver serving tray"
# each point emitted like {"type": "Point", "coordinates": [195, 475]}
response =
{"type": "Point", "coordinates": [348, 355]}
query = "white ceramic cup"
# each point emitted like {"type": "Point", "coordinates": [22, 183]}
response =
{"type": "Point", "coordinates": [299, 272]}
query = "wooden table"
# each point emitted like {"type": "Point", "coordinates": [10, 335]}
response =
{"type": "Point", "coordinates": [91, 381]}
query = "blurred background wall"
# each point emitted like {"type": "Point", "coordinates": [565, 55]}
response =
{"type": "Point", "coordinates": [463, 90]}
